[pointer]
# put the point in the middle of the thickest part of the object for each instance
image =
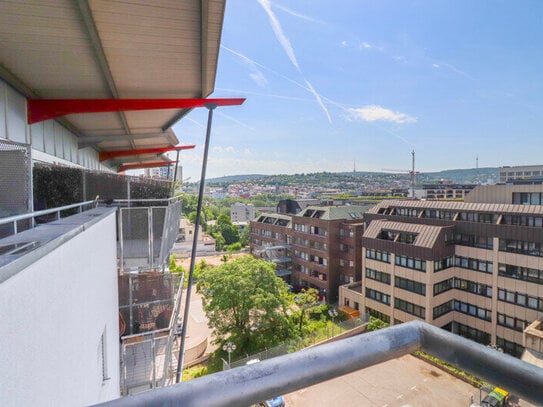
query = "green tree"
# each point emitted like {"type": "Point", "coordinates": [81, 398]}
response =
{"type": "Point", "coordinates": [375, 324]}
{"type": "Point", "coordinates": [245, 236]}
{"type": "Point", "coordinates": [305, 299]}
{"type": "Point", "coordinates": [246, 304]}
{"type": "Point", "coordinates": [225, 227]}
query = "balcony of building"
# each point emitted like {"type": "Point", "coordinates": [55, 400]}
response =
{"type": "Point", "coordinates": [250, 384]}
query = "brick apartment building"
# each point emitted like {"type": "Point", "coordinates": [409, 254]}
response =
{"type": "Point", "coordinates": [475, 269]}
{"type": "Point", "coordinates": [320, 246]}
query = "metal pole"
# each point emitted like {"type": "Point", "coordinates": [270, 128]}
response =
{"type": "Point", "coordinates": [175, 173]}
{"type": "Point", "coordinates": [181, 357]}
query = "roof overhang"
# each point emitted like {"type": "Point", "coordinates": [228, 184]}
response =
{"type": "Point", "coordinates": [90, 49]}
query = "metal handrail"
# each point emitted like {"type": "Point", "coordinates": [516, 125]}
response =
{"type": "Point", "coordinates": [33, 215]}
{"type": "Point", "coordinates": [284, 374]}
{"type": "Point", "coordinates": [170, 200]}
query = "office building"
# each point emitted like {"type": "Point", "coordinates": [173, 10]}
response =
{"type": "Point", "coordinates": [474, 269]}
{"type": "Point", "coordinates": [240, 212]}
{"type": "Point", "coordinates": [520, 172]}
{"type": "Point", "coordinates": [443, 190]}
{"type": "Point", "coordinates": [320, 245]}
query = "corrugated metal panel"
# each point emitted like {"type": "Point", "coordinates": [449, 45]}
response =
{"type": "Point", "coordinates": [427, 235]}
{"type": "Point", "coordinates": [460, 206]}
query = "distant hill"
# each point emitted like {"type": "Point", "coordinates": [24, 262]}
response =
{"type": "Point", "coordinates": [459, 176]}
{"type": "Point", "coordinates": [235, 178]}
{"type": "Point", "coordinates": [463, 176]}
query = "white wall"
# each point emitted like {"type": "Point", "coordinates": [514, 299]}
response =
{"type": "Point", "coordinates": [52, 317]}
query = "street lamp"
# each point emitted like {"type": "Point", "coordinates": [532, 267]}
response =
{"type": "Point", "coordinates": [229, 347]}
{"type": "Point", "coordinates": [333, 314]}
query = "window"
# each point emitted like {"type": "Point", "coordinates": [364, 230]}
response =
{"type": "Point", "coordinates": [443, 286]}
{"type": "Point", "coordinates": [444, 263]}
{"type": "Point", "coordinates": [516, 324]}
{"type": "Point", "coordinates": [378, 296]}
{"type": "Point", "coordinates": [379, 255]}
{"type": "Point", "coordinates": [443, 309]}
{"type": "Point", "coordinates": [409, 307]}
{"type": "Point", "coordinates": [521, 247]}
{"type": "Point", "coordinates": [474, 264]}
{"type": "Point", "coordinates": [521, 299]}
{"type": "Point", "coordinates": [509, 347]}
{"type": "Point", "coordinates": [378, 315]}
{"type": "Point", "coordinates": [472, 333]}
{"type": "Point", "coordinates": [378, 276]}
{"type": "Point", "coordinates": [481, 242]}
{"type": "Point", "coordinates": [410, 285]}
{"type": "Point", "coordinates": [473, 287]}
{"type": "Point", "coordinates": [410, 262]}
{"type": "Point", "coordinates": [473, 310]}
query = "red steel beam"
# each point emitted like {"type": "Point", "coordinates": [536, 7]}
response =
{"type": "Point", "coordinates": [125, 167]}
{"type": "Point", "coordinates": [108, 155]}
{"type": "Point", "coordinates": [45, 109]}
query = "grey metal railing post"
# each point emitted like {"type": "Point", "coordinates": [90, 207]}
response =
{"type": "Point", "coordinates": [181, 358]}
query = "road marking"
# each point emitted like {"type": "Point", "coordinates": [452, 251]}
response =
{"type": "Point", "coordinates": [414, 388]}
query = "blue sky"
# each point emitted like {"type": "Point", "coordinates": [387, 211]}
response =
{"type": "Point", "coordinates": [329, 83]}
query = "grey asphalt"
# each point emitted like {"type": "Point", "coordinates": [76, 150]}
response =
{"type": "Point", "coordinates": [402, 382]}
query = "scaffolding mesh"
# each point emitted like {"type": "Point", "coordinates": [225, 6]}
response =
{"type": "Point", "coordinates": [56, 186]}
{"type": "Point", "coordinates": [15, 179]}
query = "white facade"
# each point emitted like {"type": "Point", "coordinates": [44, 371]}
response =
{"type": "Point", "coordinates": [58, 312]}
{"type": "Point", "coordinates": [240, 212]}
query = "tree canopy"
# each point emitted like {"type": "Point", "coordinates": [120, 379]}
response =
{"type": "Point", "coordinates": [246, 304]}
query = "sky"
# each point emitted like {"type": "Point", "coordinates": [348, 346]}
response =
{"type": "Point", "coordinates": [337, 85]}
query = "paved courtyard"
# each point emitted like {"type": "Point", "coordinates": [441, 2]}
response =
{"type": "Point", "coordinates": [402, 382]}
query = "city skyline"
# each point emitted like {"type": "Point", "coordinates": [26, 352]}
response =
{"type": "Point", "coordinates": [371, 81]}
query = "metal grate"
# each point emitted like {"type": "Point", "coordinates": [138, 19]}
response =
{"type": "Point", "coordinates": [15, 179]}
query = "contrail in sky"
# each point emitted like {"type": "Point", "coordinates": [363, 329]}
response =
{"type": "Point", "coordinates": [287, 47]}
{"type": "Point", "coordinates": [306, 87]}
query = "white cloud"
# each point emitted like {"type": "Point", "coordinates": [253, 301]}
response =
{"type": "Point", "coordinates": [344, 43]}
{"type": "Point", "coordinates": [365, 45]}
{"type": "Point", "coordinates": [374, 113]}
{"type": "Point", "coordinates": [435, 66]}
{"type": "Point", "coordinates": [224, 150]}
{"type": "Point", "coordinates": [247, 152]}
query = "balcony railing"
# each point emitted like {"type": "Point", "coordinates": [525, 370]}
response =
{"type": "Point", "coordinates": [261, 381]}
{"type": "Point", "coordinates": [147, 231]}
{"type": "Point", "coordinates": [15, 224]}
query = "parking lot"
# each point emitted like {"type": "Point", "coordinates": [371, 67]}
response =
{"type": "Point", "coordinates": [402, 382]}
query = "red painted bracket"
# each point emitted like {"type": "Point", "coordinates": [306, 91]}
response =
{"type": "Point", "coordinates": [125, 167]}
{"type": "Point", "coordinates": [108, 155]}
{"type": "Point", "coordinates": [44, 109]}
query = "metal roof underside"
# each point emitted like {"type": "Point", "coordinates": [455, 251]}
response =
{"type": "Point", "coordinates": [101, 49]}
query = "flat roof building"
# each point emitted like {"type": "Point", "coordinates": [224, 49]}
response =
{"type": "Point", "coordinates": [475, 269]}
{"type": "Point", "coordinates": [520, 172]}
